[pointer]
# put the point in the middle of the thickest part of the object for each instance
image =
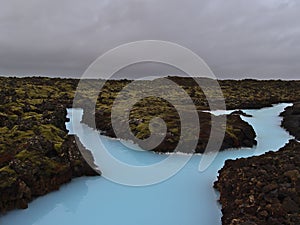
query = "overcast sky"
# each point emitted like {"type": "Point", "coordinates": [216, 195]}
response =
{"type": "Point", "coordinates": [237, 38]}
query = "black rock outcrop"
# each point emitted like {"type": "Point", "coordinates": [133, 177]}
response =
{"type": "Point", "coordinates": [291, 119]}
{"type": "Point", "coordinates": [262, 189]}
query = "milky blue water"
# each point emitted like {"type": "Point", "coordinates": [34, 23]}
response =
{"type": "Point", "coordinates": [185, 199]}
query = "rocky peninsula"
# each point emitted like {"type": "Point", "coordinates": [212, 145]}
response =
{"type": "Point", "coordinates": [238, 133]}
{"type": "Point", "coordinates": [36, 153]}
{"type": "Point", "coordinates": [238, 94]}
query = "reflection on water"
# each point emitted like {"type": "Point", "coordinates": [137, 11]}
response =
{"type": "Point", "coordinates": [186, 198]}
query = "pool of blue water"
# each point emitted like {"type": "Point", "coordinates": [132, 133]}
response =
{"type": "Point", "coordinates": [186, 198]}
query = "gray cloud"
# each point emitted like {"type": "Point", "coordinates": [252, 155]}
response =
{"type": "Point", "coordinates": [237, 38]}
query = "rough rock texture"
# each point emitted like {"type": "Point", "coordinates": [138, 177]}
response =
{"type": "Point", "coordinates": [242, 94]}
{"type": "Point", "coordinates": [262, 189]}
{"type": "Point", "coordinates": [291, 119]}
{"type": "Point", "coordinates": [36, 154]}
{"type": "Point", "coordinates": [33, 138]}
{"type": "Point", "coordinates": [238, 132]}
{"type": "Point", "coordinates": [38, 170]}
{"type": "Point", "coordinates": [247, 93]}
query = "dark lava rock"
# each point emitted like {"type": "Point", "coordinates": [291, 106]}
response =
{"type": "Point", "coordinates": [36, 154]}
{"type": "Point", "coordinates": [291, 119]}
{"type": "Point", "coordinates": [262, 189]}
{"type": "Point", "coordinates": [80, 167]}
{"type": "Point", "coordinates": [34, 172]}
{"type": "Point", "coordinates": [238, 132]}
{"type": "Point", "coordinates": [241, 113]}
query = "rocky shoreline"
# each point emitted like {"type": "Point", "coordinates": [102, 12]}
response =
{"type": "Point", "coordinates": [33, 173]}
{"type": "Point", "coordinates": [37, 155]}
{"type": "Point", "coordinates": [291, 120]}
{"type": "Point", "coordinates": [262, 189]}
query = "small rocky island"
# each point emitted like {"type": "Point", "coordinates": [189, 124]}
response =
{"type": "Point", "coordinates": [37, 155]}
{"type": "Point", "coordinates": [238, 133]}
